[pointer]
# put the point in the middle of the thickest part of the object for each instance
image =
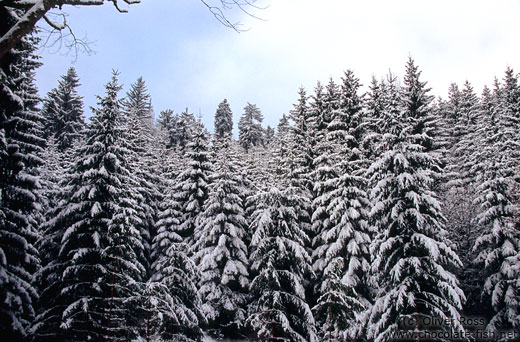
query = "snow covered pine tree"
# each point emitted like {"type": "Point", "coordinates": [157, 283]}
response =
{"type": "Point", "coordinates": [412, 252]}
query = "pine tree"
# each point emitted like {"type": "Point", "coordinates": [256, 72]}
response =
{"type": "Point", "coordinates": [138, 122]}
{"type": "Point", "coordinates": [223, 120]}
{"type": "Point", "coordinates": [498, 244]}
{"type": "Point", "coordinates": [97, 261]}
{"type": "Point", "coordinates": [222, 254]}
{"type": "Point", "coordinates": [413, 256]}
{"type": "Point", "coordinates": [138, 103]}
{"type": "Point", "coordinates": [280, 262]}
{"type": "Point", "coordinates": [192, 188]}
{"type": "Point", "coordinates": [250, 132]}
{"type": "Point", "coordinates": [498, 250]}
{"type": "Point", "coordinates": [63, 111]}
{"type": "Point", "coordinates": [46, 324]}
{"type": "Point", "coordinates": [324, 171]}
{"type": "Point", "coordinates": [269, 134]}
{"type": "Point", "coordinates": [183, 131]}
{"type": "Point", "coordinates": [170, 298]}
{"type": "Point", "coordinates": [20, 148]}
{"type": "Point", "coordinates": [344, 241]}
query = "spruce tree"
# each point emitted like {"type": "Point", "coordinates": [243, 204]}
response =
{"type": "Point", "coordinates": [63, 111]}
{"type": "Point", "coordinates": [20, 148]}
{"type": "Point", "coordinates": [250, 132]}
{"type": "Point", "coordinates": [344, 241]}
{"type": "Point", "coordinates": [170, 299]}
{"type": "Point", "coordinates": [192, 188]}
{"type": "Point", "coordinates": [138, 122]}
{"type": "Point", "coordinates": [413, 255]}
{"type": "Point", "coordinates": [138, 103]}
{"type": "Point", "coordinates": [498, 244]}
{"type": "Point", "coordinates": [97, 261]}
{"type": "Point", "coordinates": [222, 254]}
{"type": "Point", "coordinates": [279, 310]}
{"type": "Point", "coordinates": [223, 120]}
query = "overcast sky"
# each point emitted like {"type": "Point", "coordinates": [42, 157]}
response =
{"type": "Point", "coordinates": [188, 59]}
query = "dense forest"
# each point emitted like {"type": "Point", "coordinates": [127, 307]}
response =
{"type": "Point", "coordinates": [360, 217]}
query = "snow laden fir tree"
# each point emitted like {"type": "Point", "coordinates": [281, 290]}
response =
{"type": "Point", "coordinates": [413, 256]}
{"type": "Point", "coordinates": [98, 243]}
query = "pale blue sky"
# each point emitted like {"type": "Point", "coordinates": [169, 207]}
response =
{"type": "Point", "coordinates": [188, 59]}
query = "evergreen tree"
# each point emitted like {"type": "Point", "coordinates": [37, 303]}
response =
{"type": "Point", "coordinates": [63, 111]}
{"type": "Point", "coordinates": [223, 120]}
{"type": "Point", "coordinates": [97, 261]}
{"type": "Point", "coordinates": [498, 244]}
{"type": "Point", "coordinates": [498, 251]}
{"type": "Point", "coordinates": [280, 262]}
{"type": "Point", "coordinates": [413, 256]}
{"type": "Point", "coordinates": [183, 131]}
{"type": "Point", "coordinates": [20, 147]}
{"type": "Point", "coordinates": [137, 107]}
{"type": "Point", "coordinates": [269, 134]}
{"type": "Point", "coordinates": [324, 171]}
{"type": "Point", "coordinates": [250, 132]}
{"type": "Point", "coordinates": [344, 241]}
{"type": "Point", "coordinates": [222, 254]}
{"type": "Point", "coordinates": [170, 299]}
{"type": "Point", "coordinates": [302, 144]}
{"type": "Point", "coordinates": [192, 188]}
{"type": "Point", "coordinates": [138, 103]}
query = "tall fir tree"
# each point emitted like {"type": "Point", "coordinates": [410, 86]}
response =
{"type": "Point", "coordinates": [280, 263]}
{"type": "Point", "coordinates": [97, 258]}
{"type": "Point", "coordinates": [250, 132]}
{"type": "Point", "coordinates": [138, 122]}
{"type": "Point", "coordinates": [344, 242]}
{"type": "Point", "coordinates": [170, 301]}
{"type": "Point", "coordinates": [498, 244]}
{"type": "Point", "coordinates": [20, 148]}
{"type": "Point", "coordinates": [413, 255]}
{"type": "Point", "coordinates": [222, 254]}
{"type": "Point", "coordinates": [192, 188]}
{"type": "Point", "coordinates": [63, 111]}
{"type": "Point", "coordinates": [223, 120]}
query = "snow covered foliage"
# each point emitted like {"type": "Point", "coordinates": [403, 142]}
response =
{"type": "Point", "coordinates": [170, 300]}
{"type": "Point", "coordinates": [498, 246]}
{"type": "Point", "coordinates": [97, 260]}
{"type": "Point", "coordinates": [343, 251]}
{"type": "Point", "coordinates": [138, 103]}
{"type": "Point", "coordinates": [20, 148]}
{"type": "Point", "coordinates": [413, 256]}
{"type": "Point", "coordinates": [279, 263]}
{"type": "Point", "coordinates": [192, 186]}
{"type": "Point", "coordinates": [499, 250]}
{"type": "Point", "coordinates": [63, 111]}
{"type": "Point", "coordinates": [250, 131]}
{"type": "Point", "coordinates": [143, 160]}
{"type": "Point", "coordinates": [223, 121]}
{"type": "Point", "coordinates": [221, 251]}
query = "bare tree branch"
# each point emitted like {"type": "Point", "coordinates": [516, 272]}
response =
{"type": "Point", "coordinates": [61, 36]}
{"type": "Point", "coordinates": [218, 12]}
{"type": "Point", "coordinates": [34, 10]}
